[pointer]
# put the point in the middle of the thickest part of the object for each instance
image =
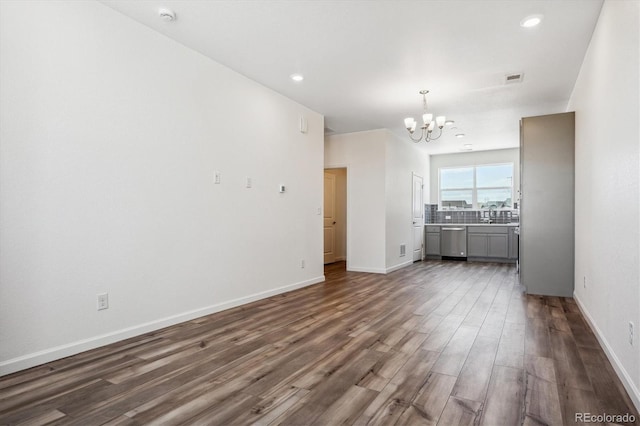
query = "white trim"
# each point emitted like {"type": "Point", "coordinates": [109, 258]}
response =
{"type": "Point", "coordinates": [62, 351]}
{"type": "Point", "coordinates": [379, 270]}
{"type": "Point", "coordinates": [366, 269]}
{"type": "Point", "coordinates": [400, 266]}
{"type": "Point", "coordinates": [623, 375]}
{"type": "Point", "coordinates": [348, 230]}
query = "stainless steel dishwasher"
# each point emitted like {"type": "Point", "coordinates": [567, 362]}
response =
{"type": "Point", "coordinates": [454, 241]}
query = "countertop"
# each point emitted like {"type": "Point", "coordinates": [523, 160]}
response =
{"type": "Point", "coordinates": [471, 224]}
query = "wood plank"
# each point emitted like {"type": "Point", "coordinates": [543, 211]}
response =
{"type": "Point", "coordinates": [504, 402]}
{"type": "Point", "coordinates": [610, 393]}
{"type": "Point", "coordinates": [348, 407]}
{"type": "Point", "coordinates": [430, 401]}
{"type": "Point", "coordinates": [570, 370]}
{"type": "Point", "coordinates": [43, 418]}
{"type": "Point", "coordinates": [439, 338]}
{"type": "Point", "coordinates": [329, 391]}
{"type": "Point", "coordinates": [542, 405]}
{"type": "Point", "coordinates": [537, 338]}
{"type": "Point", "coordinates": [455, 353]}
{"type": "Point", "coordinates": [461, 412]}
{"type": "Point", "coordinates": [269, 410]}
{"type": "Point", "coordinates": [575, 401]}
{"type": "Point", "coordinates": [382, 372]}
{"type": "Point", "coordinates": [511, 347]}
{"type": "Point", "coordinates": [473, 380]}
{"type": "Point", "coordinates": [397, 396]}
{"type": "Point", "coordinates": [542, 368]}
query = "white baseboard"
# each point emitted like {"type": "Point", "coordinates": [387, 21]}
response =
{"type": "Point", "coordinates": [366, 269]}
{"type": "Point", "coordinates": [624, 377]}
{"type": "Point", "coordinates": [379, 270]}
{"type": "Point", "coordinates": [400, 266]}
{"type": "Point", "coordinates": [41, 357]}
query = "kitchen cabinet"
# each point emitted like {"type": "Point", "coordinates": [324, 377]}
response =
{"type": "Point", "coordinates": [432, 240]}
{"type": "Point", "coordinates": [547, 157]}
{"type": "Point", "coordinates": [488, 242]}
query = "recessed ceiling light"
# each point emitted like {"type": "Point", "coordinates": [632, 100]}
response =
{"type": "Point", "coordinates": [531, 21]}
{"type": "Point", "coordinates": [167, 15]}
{"type": "Point", "coordinates": [468, 145]}
{"type": "Point", "coordinates": [449, 123]}
{"type": "Point", "coordinates": [459, 135]}
{"type": "Point", "coordinates": [297, 77]}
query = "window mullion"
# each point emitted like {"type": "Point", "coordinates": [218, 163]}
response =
{"type": "Point", "coordinates": [474, 192]}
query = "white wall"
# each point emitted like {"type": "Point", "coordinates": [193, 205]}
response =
{"type": "Point", "coordinates": [403, 158]}
{"type": "Point", "coordinates": [363, 154]}
{"type": "Point", "coordinates": [110, 135]}
{"type": "Point", "coordinates": [511, 155]}
{"type": "Point", "coordinates": [379, 190]}
{"type": "Point", "coordinates": [607, 242]}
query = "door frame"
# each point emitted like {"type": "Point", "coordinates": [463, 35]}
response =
{"type": "Point", "coordinates": [422, 251]}
{"type": "Point", "coordinates": [329, 181]}
{"type": "Point", "coordinates": [348, 227]}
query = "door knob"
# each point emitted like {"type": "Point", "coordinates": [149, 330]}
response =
{"type": "Point", "coordinates": [334, 222]}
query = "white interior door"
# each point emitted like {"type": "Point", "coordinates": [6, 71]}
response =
{"type": "Point", "coordinates": [418, 217]}
{"type": "Point", "coordinates": [329, 218]}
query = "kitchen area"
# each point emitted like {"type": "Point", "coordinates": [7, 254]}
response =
{"type": "Point", "coordinates": [453, 236]}
{"type": "Point", "coordinates": [509, 206]}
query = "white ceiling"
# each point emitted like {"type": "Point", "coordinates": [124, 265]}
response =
{"type": "Point", "coordinates": [365, 61]}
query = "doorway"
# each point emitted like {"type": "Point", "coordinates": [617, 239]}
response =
{"type": "Point", "coordinates": [335, 215]}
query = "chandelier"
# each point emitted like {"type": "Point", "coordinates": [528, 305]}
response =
{"type": "Point", "coordinates": [428, 123]}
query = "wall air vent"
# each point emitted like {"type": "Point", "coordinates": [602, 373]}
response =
{"type": "Point", "coordinates": [514, 78]}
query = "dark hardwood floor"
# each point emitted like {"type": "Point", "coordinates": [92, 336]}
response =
{"type": "Point", "coordinates": [447, 343]}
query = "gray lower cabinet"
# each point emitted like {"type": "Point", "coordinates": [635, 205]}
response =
{"type": "Point", "coordinates": [498, 245]}
{"type": "Point", "coordinates": [476, 245]}
{"type": "Point", "coordinates": [490, 242]}
{"type": "Point", "coordinates": [432, 240]}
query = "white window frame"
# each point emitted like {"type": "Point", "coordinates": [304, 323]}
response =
{"type": "Point", "coordinates": [474, 190]}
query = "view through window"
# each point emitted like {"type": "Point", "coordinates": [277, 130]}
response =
{"type": "Point", "coordinates": [476, 187]}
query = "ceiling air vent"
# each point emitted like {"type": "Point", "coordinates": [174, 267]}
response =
{"type": "Point", "coordinates": [513, 78]}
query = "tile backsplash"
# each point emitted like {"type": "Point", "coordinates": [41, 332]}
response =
{"type": "Point", "coordinates": [433, 215]}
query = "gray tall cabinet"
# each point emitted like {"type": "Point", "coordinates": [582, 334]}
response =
{"type": "Point", "coordinates": [547, 204]}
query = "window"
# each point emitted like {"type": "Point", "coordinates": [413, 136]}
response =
{"type": "Point", "coordinates": [480, 187]}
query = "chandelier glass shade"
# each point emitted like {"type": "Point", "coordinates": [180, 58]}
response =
{"type": "Point", "coordinates": [428, 123]}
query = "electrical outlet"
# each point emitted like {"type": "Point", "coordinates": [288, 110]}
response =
{"type": "Point", "coordinates": [217, 177]}
{"type": "Point", "coordinates": [248, 182]}
{"type": "Point", "coordinates": [631, 327]}
{"type": "Point", "coordinates": [302, 263]}
{"type": "Point", "coordinates": [584, 282]}
{"type": "Point", "coordinates": [103, 301]}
